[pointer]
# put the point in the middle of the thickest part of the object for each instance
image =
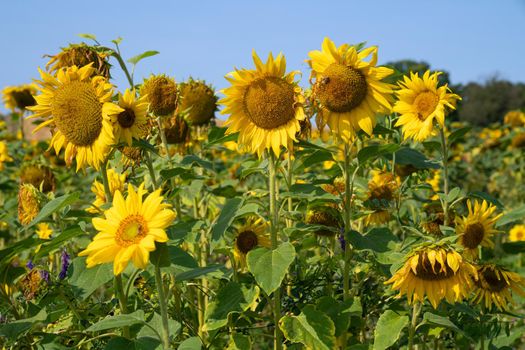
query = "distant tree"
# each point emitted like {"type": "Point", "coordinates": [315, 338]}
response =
{"type": "Point", "coordinates": [404, 67]}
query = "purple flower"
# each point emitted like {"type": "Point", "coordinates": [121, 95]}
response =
{"type": "Point", "coordinates": [342, 240]}
{"type": "Point", "coordinates": [65, 260]}
{"type": "Point", "coordinates": [44, 275]}
{"type": "Point", "coordinates": [30, 265]}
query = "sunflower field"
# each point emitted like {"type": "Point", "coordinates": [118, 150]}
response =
{"type": "Point", "coordinates": [353, 212]}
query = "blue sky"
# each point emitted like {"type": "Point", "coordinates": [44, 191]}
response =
{"type": "Point", "coordinates": [471, 39]}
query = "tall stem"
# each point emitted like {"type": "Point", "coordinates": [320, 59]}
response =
{"type": "Point", "coordinates": [444, 151]}
{"type": "Point", "coordinates": [289, 175]}
{"type": "Point", "coordinates": [348, 220]}
{"type": "Point", "coordinates": [274, 222]}
{"type": "Point", "coordinates": [21, 121]}
{"type": "Point", "coordinates": [149, 164]}
{"type": "Point", "coordinates": [163, 308]}
{"type": "Point", "coordinates": [416, 308]}
{"type": "Point", "coordinates": [163, 138]}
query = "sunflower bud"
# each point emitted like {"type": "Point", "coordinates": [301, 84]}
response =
{"type": "Point", "coordinates": [28, 203]}
{"type": "Point", "coordinates": [161, 93]}
{"type": "Point", "coordinates": [198, 100]}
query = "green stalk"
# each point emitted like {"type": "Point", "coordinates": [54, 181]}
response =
{"type": "Point", "coordinates": [21, 121]}
{"type": "Point", "coordinates": [274, 222]}
{"type": "Point", "coordinates": [416, 309]}
{"type": "Point", "coordinates": [163, 139]}
{"type": "Point", "coordinates": [348, 220]}
{"type": "Point", "coordinates": [163, 308]}
{"type": "Point", "coordinates": [444, 151]}
{"type": "Point", "coordinates": [149, 164]}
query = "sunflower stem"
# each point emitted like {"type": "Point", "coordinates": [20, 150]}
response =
{"type": "Point", "coordinates": [444, 151]}
{"type": "Point", "coordinates": [274, 218]}
{"type": "Point", "coordinates": [105, 181]}
{"type": "Point", "coordinates": [289, 174]}
{"type": "Point", "coordinates": [149, 164]}
{"type": "Point", "coordinates": [122, 64]}
{"type": "Point", "coordinates": [123, 301]}
{"type": "Point", "coordinates": [163, 139]}
{"type": "Point", "coordinates": [21, 121]}
{"type": "Point", "coordinates": [416, 309]}
{"type": "Point", "coordinates": [163, 308]}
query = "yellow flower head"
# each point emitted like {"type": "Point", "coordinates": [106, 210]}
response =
{"type": "Point", "coordinates": [265, 105]}
{"type": "Point", "coordinates": [28, 203]}
{"type": "Point", "coordinates": [116, 183]}
{"type": "Point", "coordinates": [132, 122]}
{"type": "Point", "coordinates": [4, 155]}
{"type": "Point", "coordinates": [198, 100]}
{"type": "Point", "coordinates": [382, 190]}
{"type": "Point", "coordinates": [161, 92]}
{"type": "Point", "coordinates": [129, 230]}
{"type": "Point", "coordinates": [477, 227]}
{"type": "Point", "coordinates": [78, 107]}
{"type": "Point", "coordinates": [517, 233]}
{"type": "Point", "coordinates": [81, 55]}
{"type": "Point", "coordinates": [514, 118]}
{"type": "Point", "coordinates": [251, 235]}
{"type": "Point", "coordinates": [19, 97]}
{"type": "Point", "coordinates": [349, 89]}
{"type": "Point", "coordinates": [420, 102]}
{"type": "Point", "coordinates": [437, 272]}
{"type": "Point", "coordinates": [44, 231]}
{"type": "Point", "coordinates": [38, 175]}
{"type": "Point", "coordinates": [326, 216]}
{"type": "Point", "coordinates": [495, 286]}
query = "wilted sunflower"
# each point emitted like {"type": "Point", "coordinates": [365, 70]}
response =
{"type": "Point", "coordinates": [44, 231]}
{"type": "Point", "coordinates": [81, 55]}
{"type": "Point", "coordinates": [514, 118]}
{"type": "Point", "coordinates": [420, 101]}
{"type": "Point", "coordinates": [477, 227]}
{"type": "Point", "coordinates": [131, 156]}
{"type": "Point", "coordinates": [437, 272]}
{"type": "Point", "coordinates": [4, 155]}
{"type": "Point", "coordinates": [161, 92]}
{"type": "Point", "coordinates": [129, 230]}
{"type": "Point", "coordinates": [116, 183]}
{"type": "Point", "coordinates": [349, 89]}
{"type": "Point", "coordinates": [176, 130]}
{"type": "Point", "coordinates": [518, 141]}
{"type": "Point", "coordinates": [38, 175]}
{"type": "Point", "coordinates": [517, 233]}
{"type": "Point", "coordinates": [382, 190]}
{"type": "Point", "coordinates": [325, 216]}
{"type": "Point", "coordinates": [198, 101]}
{"type": "Point", "coordinates": [79, 109]}
{"type": "Point", "coordinates": [495, 286]}
{"type": "Point", "coordinates": [20, 97]}
{"type": "Point", "coordinates": [28, 203]}
{"type": "Point", "coordinates": [264, 104]}
{"type": "Point", "coordinates": [133, 120]}
{"type": "Point", "coordinates": [253, 234]}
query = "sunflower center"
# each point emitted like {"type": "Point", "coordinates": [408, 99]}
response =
{"type": "Point", "coordinates": [126, 118]}
{"type": "Point", "coordinates": [425, 104]}
{"type": "Point", "coordinates": [246, 241]}
{"type": "Point", "coordinates": [131, 230]}
{"type": "Point", "coordinates": [341, 88]}
{"type": "Point", "coordinates": [23, 99]}
{"type": "Point", "coordinates": [269, 102]}
{"type": "Point", "coordinates": [473, 236]}
{"type": "Point", "coordinates": [77, 112]}
{"type": "Point", "coordinates": [426, 272]}
{"type": "Point", "coordinates": [489, 280]}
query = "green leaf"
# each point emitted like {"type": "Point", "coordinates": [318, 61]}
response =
{"type": "Point", "coordinates": [312, 327]}
{"type": "Point", "coordinates": [12, 329]}
{"type": "Point", "coordinates": [487, 197]}
{"type": "Point", "coordinates": [58, 241]}
{"type": "Point", "coordinates": [516, 214]}
{"type": "Point", "coordinates": [339, 312]}
{"type": "Point", "coordinates": [160, 256]}
{"type": "Point", "coordinates": [225, 219]}
{"type": "Point", "coordinates": [458, 134]}
{"type": "Point", "coordinates": [388, 329]}
{"type": "Point", "coordinates": [239, 342]}
{"type": "Point", "coordinates": [117, 41]}
{"type": "Point", "coordinates": [375, 151]}
{"type": "Point", "coordinates": [514, 247]}
{"type": "Point", "coordinates": [154, 328]}
{"type": "Point", "coordinates": [193, 160]}
{"type": "Point", "coordinates": [437, 320]}
{"type": "Point", "coordinates": [85, 281]}
{"type": "Point", "coordinates": [136, 59]}
{"type": "Point", "coordinates": [53, 206]}
{"type": "Point", "coordinates": [198, 272]}
{"type": "Point", "coordinates": [314, 158]}
{"type": "Point", "coordinates": [376, 240]}
{"type": "Point", "coordinates": [270, 266]}
{"type": "Point", "coordinates": [230, 298]}
{"type": "Point", "coordinates": [410, 156]}
{"type": "Point", "coordinates": [193, 343]}
{"type": "Point", "coordinates": [218, 136]}
{"type": "Point", "coordinates": [118, 321]}
{"type": "Point", "coordinates": [146, 343]}
{"type": "Point", "coordinates": [88, 36]}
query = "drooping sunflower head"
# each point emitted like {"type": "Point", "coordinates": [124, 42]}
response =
{"type": "Point", "coordinates": [337, 187]}
{"type": "Point", "coordinates": [132, 122]}
{"type": "Point", "coordinates": [495, 286]}
{"type": "Point", "coordinates": [382, 191]}
{"type": "Point", "coordinates": [265, 105]}
{"type": "Point", "coordinates": [129, 230]}
{"type": "Point", "coordinates": [436, 218]}
{"type": "Point", "coordinates": [252, 234]}
{"type": "Point", "coordinates": [38, 175]}
{"type": "Point", "coordinates": [77, 106]}
{"type": "Point", "coordinates": [477, 228]}
{"type": "Point", "coordinates": [437, 272]}
{"type": "Point", "coordinates": [349, 89]}
{"type": "Point", "coordinates": [198, 101]}
{"type": "Point", "coordinates": [514, 118]}
{"type": "Point", "coordinates": [20, 97]}
{"type": "Point", "coordinates": [81, 55]}
{"type": "Point", "coordinates": [518, 141]}
{"type": "Point", "coordinates": [325, 215]}
{"type": "Point", "coordinates": [29, 203]}
{"type": "Point", "coordinates": [161, 92]}
{"type": "Point", "coordinates": [517, 233]}
{"type": "Point", "coordinates": [176, 130]}
{"type": "Point", "coordinates": [116, 182]}
{"type": "Point", "coordinates": [420, 102]}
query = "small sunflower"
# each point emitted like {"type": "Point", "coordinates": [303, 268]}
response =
{"type": "Point", "coordinates": [133, 120]}
{"type": "Point", "coordinates": [19, 97]}
{"type": "Point", "coordinates": [264, 104]}
{"type": "Point", "coordinates": [437, 272]}
{"type": "Point", "coordinates": [116, 183]}
{"type": "Point", "coordinates": [198, 100]}
{"type": "Point", "coordinates": [80, 111]}
{"type": "Point", "coordinates": [420, 101]}
{"type": "Point", "coordinates": [81, 55]}
{"type": "Point", "coordinates": [4, 155]}
{"type": "Point", "coordinates": [495, 286]}
{"type": "Point", "coordinates": [129, 230]}
{"type": "Point", "coordinates": [382, 190]}
{"type": "Point", "coordinates": [161, 92]}
{"type": "Point", "coordinates": [38, 175]}
{"type": "Point", "coordinates": [477, 227]}
{"type": "Point", "coordinates": [28, 203]}
{"type": "Point", "coordinates": [325, 216]}
{"type": "Point", "coordinates": [517, 233]}
{"type": "Point", "coordinates": [349, 89]}
{"type": "Point", "coordinates": [44, 231]}
{"type": "Point", "coordinates": [514, 118]}
{"type": "Point", "coordinates": [249, 236]}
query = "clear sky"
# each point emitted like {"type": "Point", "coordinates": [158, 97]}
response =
{"type": "Point", "coordinates": [472, 39]}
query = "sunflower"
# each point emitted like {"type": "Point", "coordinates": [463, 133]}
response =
{"type": "Point", "coordinates": [4, 155]}
{"type": "Point", "coordinates": [81, 55]}
{"type": "Point", "coordinates": [517, 233]}
{"type": "Point", "coordinates": [249, 236]}
{"type": "Point", "coordinates": [38, 175]}
{"type": "Point", "coordinates": [81, 114]}
{"type": "Point", "coordinates": [495, 286]}
{"type": "Point", "coordinates": [19, 97]}
{"type": "Point", "coordinates": [133, 120]}
{"type": "Point", "coordinates": [161, 92]}
{"type": "Point", "coordinates": [477, 227]}
{"type": "Point", "coordinates": [382, 190]}
{"type": "Point", "coordinates": [420, 101]}
{"type": "Point", "coordinates": [28, 203]}
{"type": "Point", "coordinates": [129, 230]}
{"type": "Point", "coordinates": [437, 272]}
{"type": "Point", "coordinates": [44, 231]}
{"type": "Point", "coordinates": [265, 105]}
{"type": "Point", "coordinates": [198, 100]}
{"type": "Point", "coordinates": [518, 141]}
{"type": "Point", "coordinates": [325, 215]}
{"type": "Point", "coordinates": [349, 89]}
{"type": "Point", "coordinates": [514, 118]}
{"type": "Point", "coordinates": [176, 130]}
{"type": "Point", "coordinates": [116, 183]}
